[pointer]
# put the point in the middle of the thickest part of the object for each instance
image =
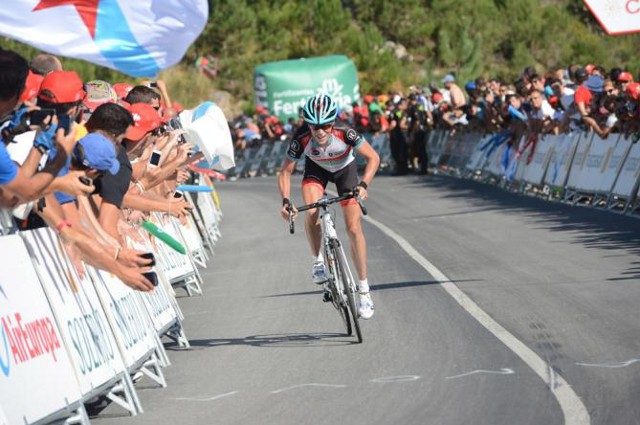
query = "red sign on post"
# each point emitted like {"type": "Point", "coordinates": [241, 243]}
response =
{"type": "Point", "coordinates": [616, 16]}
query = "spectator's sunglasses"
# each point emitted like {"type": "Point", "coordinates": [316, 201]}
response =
{"type": "Point", "coordinates": [325, 127]}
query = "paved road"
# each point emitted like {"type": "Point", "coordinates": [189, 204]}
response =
{"type": "Point", "coordinates": [266, 350]}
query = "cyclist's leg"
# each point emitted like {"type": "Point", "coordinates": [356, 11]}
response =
{"type": "Point", "coordinates": [346, 179]}
{"type": "Point", "coordinates": [313, 185]}
{"type": "Point", "coordinates": [353, 223]}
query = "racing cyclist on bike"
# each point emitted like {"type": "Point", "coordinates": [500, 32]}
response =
{"type": "Point", "coordinates": [330, 156]}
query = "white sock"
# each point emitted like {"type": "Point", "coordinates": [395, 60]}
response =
{"type": "Point", "coordinates": [319, 258]}
{"type": "Point", "coordinates": [363, 288]}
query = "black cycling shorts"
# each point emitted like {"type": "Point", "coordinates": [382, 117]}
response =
{"type": "Point", "coordinates": [345, 179]}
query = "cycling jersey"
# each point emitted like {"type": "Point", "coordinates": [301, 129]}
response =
{"type": "Point", "coordinates": [339, 152]}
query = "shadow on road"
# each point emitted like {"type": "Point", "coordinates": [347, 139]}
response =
{"type": "Point", "coordinates": [376, 287]}
{"type": "Point", "coordinates": [590, 227]}
{"type": "Point", "coordinates": [274, 340]}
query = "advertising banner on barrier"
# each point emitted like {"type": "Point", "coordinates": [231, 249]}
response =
{"type": "Point", "coordinates": [83, 323]}
{"type": "Point", "coordinates": [535, 167]}
{"type": "Point", "coordinates": [594, 176]}
{"type": "Point", "coordinates": [479, 155]}
{"type": "Point", "coordinates": [579, 162]}
{"type": "Point", "coordinates": [37, 376]}
{"type": "Point", "coordinates": [627, 180]}
{"type": "Point", "coordinates": [176, 265]}
{"type": "Point", "coordinates": [210, 214]}
{"type": "Point", "coordinates": [561, 159]}
{"type": "Point", "coordinates": [127, 317]}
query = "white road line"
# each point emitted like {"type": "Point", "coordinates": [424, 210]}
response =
{"type": "Point", "coordinates": [503, 371]}
{"type": "Point", "coordinates": [575, 413]}
{"type": "Point", "coordinates": [217, 397]}
{"type": "Point", "coordinates": [615, 365]}
{"type": "Point", "coordinates": [393, 379]}
{"type": "Point", "coordinates": [307, 385]}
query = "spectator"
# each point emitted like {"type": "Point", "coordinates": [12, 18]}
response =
{"type": "Point", "coordinates": [43, 64]}
{"type": "Point", "coordinates": [457, 96]}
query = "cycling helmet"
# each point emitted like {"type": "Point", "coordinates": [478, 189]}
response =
{"type": "Point", "coordinates": [320, 109]}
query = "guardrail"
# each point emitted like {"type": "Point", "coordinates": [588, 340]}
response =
{"type": "Point", "coordinates": [67, 339]}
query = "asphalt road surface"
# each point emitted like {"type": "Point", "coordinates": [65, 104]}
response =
{"type": "Point", "coordinates": [551, 335]}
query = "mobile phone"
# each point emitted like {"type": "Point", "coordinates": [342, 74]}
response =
{"type": "Point", "coordinates": [177, 195]}
{"type": "Point", "coordinates": [151, 277]}
{"type": "Point", "coordinates": [153, 85]}
{"type": "Point", "coordinates": [38, 116]}
{"type": "Point", "coordinates": [149, 256]}
{"type": "Point", "coordinates": [154, 160]}
{"type": "Point", "coordinates": [64, 121]}
{"type": "Point", "coordinates": [87, 181]}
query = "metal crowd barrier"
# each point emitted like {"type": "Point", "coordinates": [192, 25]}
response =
{"type": "Point", "coordinates": [578, 168]}
{"type": "Point", "coordinates": [69, 336]}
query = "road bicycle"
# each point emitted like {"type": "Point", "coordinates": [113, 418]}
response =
{"type": "Point", "coordinates": [341, 286]}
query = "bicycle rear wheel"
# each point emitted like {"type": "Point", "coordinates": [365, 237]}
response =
{"type": "Point", "coordinates": [348, 284]}
{"type": "Point", "coordinates": [336, 298]}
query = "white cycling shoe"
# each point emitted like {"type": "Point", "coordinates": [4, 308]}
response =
{"type": "Point", "coordinates": [318, 273]}
{"type": "Point", "coordinates": [365, 308]}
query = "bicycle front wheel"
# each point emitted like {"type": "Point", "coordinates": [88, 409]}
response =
{"type": "Point", "coordinates": [348, 284]}
{"type": "Point", "coordinates": [336, 295]}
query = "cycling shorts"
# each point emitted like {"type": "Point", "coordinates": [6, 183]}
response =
{"type": "Point", "coordinates": [345, 179]}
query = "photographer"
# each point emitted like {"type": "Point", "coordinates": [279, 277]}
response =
{"type": "Point", "coordinates": [24, 183]}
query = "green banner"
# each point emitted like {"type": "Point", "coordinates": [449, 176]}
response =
{"type": "Point", "coordinates": [283, 87]}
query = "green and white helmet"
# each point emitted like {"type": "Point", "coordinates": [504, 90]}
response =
{"type": "Point", "coordinates": [320, 109]}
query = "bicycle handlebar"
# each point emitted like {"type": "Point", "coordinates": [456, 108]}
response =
{"type": "Point", "coordinates": [325, 202]}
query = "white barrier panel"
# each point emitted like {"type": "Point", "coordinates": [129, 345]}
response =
{"type": "Point", "coordinates": [602, 165]}
{"type": "Point", "coordinates": [495, 161]}
{"type": "Point", "coordinates": [210, 215]}
{"type": "Point", "coordinates": [127, 318]}
{"type": "Point", "coordinates": [193, 241]}
{"type": "Point", "coordinates": [561, 159]}
{"type": "Point", "coordinates": [535, 170]}
{"type": "Point", "coordinates": [629, 174]}
{"type": "Point", "coordinates": [478, 156]}
{"type": "Point", "coordinates": [594, 167]}
{"type": "Point", "coordinates": [37, 376]}
{"type": "Point", "coordinates": [438, 147]}
{"type": "Point", "coordinates": [80, 315]}
{"type": "Point", "coordinates": [579, 163]}
{"type": "Point", "coordinates": [175, 265]}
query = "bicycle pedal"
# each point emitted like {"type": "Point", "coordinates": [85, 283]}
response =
{"type": "Point", "coordinates": [326, 297]}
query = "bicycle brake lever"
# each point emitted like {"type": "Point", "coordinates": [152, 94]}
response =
{"type": "Point", "coordinates": [361, 203]}
{"type": "Point", "coordinates": [356, 192]}
{"type": "Point", "coordinates": [292, 226]}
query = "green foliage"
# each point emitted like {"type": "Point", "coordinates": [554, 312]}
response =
{"type": "Point", "coordinates": [470, 38]}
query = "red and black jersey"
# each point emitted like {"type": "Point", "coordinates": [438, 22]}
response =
{"type": "Point", "coordinates": [337, 154]}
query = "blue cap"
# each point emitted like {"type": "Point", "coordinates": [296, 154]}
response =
{"type": "Point", "coordinates": [471, 85]}
{"type": "Point", "coordinates": [448, 78]}
{"type": "Point", "coordinates": [97, 152]}
{"type": "Point", "coordinates": [595, 83]}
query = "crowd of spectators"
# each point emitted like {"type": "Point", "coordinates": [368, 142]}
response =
{"type": "Point", "coordinates": [90, 160]}
{"type": "Point", "coordinates": [587, 98]}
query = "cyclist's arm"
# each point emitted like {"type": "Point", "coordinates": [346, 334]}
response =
{"type": "Point", "coordinates": [284, 179]}
{"type": "Point", "coordinates": [373, 161]}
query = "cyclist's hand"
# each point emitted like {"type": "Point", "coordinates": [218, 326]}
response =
{"type": "Point", "coordinates": [362, 192]}
{"type": "Point", "coordinates": [284, 212]}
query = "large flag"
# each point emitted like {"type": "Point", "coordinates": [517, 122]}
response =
{"type": "Point", "coordinates": [207, 128]}
{"type": "Point", "coordinates": [136, 37]}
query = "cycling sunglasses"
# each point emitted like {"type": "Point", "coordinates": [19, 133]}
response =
{"type": "Point", "coordinates": [325, 127]}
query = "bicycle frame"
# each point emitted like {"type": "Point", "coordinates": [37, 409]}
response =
{"type": "Point", "coordinates": [341, 284]}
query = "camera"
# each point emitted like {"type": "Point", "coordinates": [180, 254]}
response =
{"type": "Point", "coordinates": [154, 160]}
{"type": "Point", "coordinates": [39, 116]}
{"type": "Point", "coordinates": [175, 124]}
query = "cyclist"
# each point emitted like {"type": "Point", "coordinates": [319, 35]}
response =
{"type": "Point", "coordinates": [330, 156]}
